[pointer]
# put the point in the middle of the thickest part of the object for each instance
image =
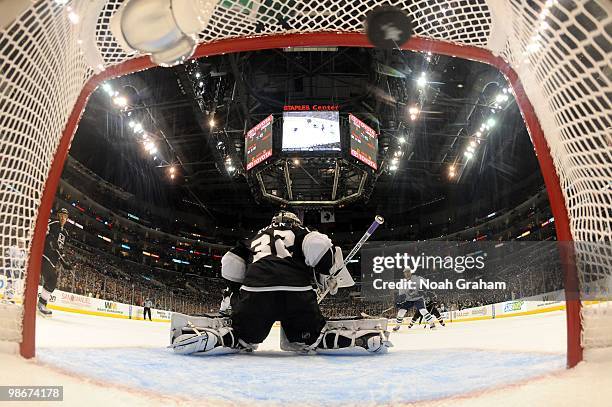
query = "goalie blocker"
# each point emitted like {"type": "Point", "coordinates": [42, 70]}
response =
{"type": "Point", "coordinates": [213, 335]}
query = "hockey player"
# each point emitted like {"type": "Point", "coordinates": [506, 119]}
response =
{"type": "Point", "coordinates": [432, 308]}
{"type": "Point", "coordinates": [14, 270]}
{"type": "Point", "coordinates": [276, 270]}
{"type": "Point", "coordinates": [52, 258]}
{"type": "Point", "coordinates": [411, 297]}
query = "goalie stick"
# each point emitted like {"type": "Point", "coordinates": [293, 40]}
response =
{"type": "Point", "coordinates": [378, 220]}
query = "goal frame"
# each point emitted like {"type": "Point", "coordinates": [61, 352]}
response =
{"type": "Point", "coordinates": [320, 39]}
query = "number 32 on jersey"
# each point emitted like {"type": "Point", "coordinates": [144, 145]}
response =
{"type": "Point", "coordinates": [281, 246]}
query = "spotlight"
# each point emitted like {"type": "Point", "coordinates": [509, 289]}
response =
{"type": "Point", "coordinates": [422, 80]}
{"type": "Point", "coordinates": [413, 117]}
{"type": "Point", "coordinates": [473, 143]}
{"type": "Point", "coordinates": [394, 161]}
{"type": "Point", "coordinates": [468, 155]}
{"type": "Point", "coordinates": [451, 174]}
{"type": "Point", "coordinates": [413, 110]}
{"type": "Point", "coordinates": [296, 161]}
{"type": "Point", "coordinates": [137, 127]}
{"type": "Point", "coordinates": [131, 124]}
{"type": "Point", "coordinates": [171, 176]}
{"type": "Point", "coordinates": [231, 168]}
{"type": "Point", "coordinates": [211, 122]}
{"type": "Point", "coordinates": [393, 167]}
{"type": "Point", "coordinates": [402, 140]}
{"type": "Point", "coordinates": [120, 101]}
{"type": "Point", "coordinates": [108, 89]}
{"type": "Point", "coordinates": [491, 122]}
{"type": "Point", "coordinates": [501, 98]}
{"type": "Point", "coordinates": [172, 170]}
{"type": "Point", "coordinates": [198, 75]}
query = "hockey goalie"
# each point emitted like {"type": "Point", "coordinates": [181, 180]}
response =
{"type": "Point", "coordinates": [274, 275]}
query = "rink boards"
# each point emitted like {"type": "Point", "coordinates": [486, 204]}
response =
{"type": "Point", "coordinates": [69, 302]}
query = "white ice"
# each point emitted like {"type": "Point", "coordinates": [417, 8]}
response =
{"type": "Point", "coordinates": [511, 361]}
{"type": "Point", "coordinates": [300, 135]}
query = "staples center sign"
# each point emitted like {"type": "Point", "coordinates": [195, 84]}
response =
{"type": "Point", "coordinates": [311, 108]}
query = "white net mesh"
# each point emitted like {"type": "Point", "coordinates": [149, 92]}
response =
{"type": "Point", "coordinates": [560, 50]}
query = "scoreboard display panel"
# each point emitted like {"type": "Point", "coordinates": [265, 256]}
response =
{"type": "Point", "coordinates": [258, 143]}
{"type": "Point", "coordinates": [311, 131]}
{"type": "Point", "coordinates": [364, 142]}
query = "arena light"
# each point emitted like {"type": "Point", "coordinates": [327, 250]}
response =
{"type": "Point", "coordinates": [473, 143]}
{"type": "Point", "coordinates": [469, 155]}
{"type": "Point", "coordinates": [172, 170]}
{"type": "Point", "coordinates": [211, 122]}
{"type": "Point", "coordinates": [413, 110]}
{"type": "Point", "coordinates": [394, 161]}
{"type": "Point", "coordinates": [165, 29]}
{"type": "Point", "coordinates": [171, 176]}
{"type": "Point", "coordinates": [501, 98]}
{"type": "Point", "coordinates": [231, 168]}
{"type": "Point", "coordinates": [491, 122]}
{"type": "Point", "coordinates": [422, 80]}
{"type": "Point", "coordinates": [120, 101]}
{"type": "Point", "coordinates": [197, 75]}
{"type": "Point", "coordinates": [402, 140]}
{"type": "Point", "coordinates": [393, 167]}
{"type": "Point", "coordinates": [108, 89]}
{"type": "Point", "coordinates": [296, 161]}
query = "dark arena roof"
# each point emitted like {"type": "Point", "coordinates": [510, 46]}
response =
{"type": "Point", "coordinates": [452, 146]}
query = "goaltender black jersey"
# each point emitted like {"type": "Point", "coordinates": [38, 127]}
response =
{"type": "Point", "coordinates": [54, 243]}
{"type": "Point", "coordinates": [280, 257]}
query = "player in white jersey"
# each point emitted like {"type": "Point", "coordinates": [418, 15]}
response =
{"type": "Point", "coordinates": [412, 297]}
{"type": "Point", "coordinates": [14, 270]}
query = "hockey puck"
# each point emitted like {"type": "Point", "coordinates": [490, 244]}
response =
{"type": "Point", "coordinates": [388, 27]}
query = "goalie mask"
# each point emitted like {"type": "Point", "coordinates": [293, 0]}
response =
{"type": "Point", "coordinates": [287, 218]}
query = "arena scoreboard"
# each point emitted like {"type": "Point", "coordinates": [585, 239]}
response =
{"type": "Point", "coordinates": [364, 142]}
{"type": "Point", "coordinates": [258, 143]}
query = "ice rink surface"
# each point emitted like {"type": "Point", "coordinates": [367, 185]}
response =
{"type": "Point", "coordinates": [467, 363]}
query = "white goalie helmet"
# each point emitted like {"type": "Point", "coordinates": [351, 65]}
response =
{"type": "Point", "coordinates": [286, 217]}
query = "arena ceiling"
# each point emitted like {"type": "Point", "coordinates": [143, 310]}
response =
{"type": "Point", "coordinates": [196, 116]}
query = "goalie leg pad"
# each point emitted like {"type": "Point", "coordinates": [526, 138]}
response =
{"type": "Point", "coordinates": [203, 335]}
{"type": "Point", "coordinates": [354, 336]}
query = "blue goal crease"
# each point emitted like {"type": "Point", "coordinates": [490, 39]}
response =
{"type": "Point", "coordinates": [286, 378]}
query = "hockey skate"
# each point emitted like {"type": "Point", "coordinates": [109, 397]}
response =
{"type": "Point", "coordinates": [43, 310]}
{"type": "Point", "coordinates": [42, 307]}
{"type": "Point", "coordinates": [396, 328]}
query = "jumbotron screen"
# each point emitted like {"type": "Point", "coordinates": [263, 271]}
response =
{"type": "Point", "coordinates": [258, 143]}
{"type": "Point", "coordinates": [364, 142]}
{"type": "Point", "coordinates": [311, 131]}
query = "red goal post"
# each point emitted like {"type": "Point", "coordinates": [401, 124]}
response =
{"type": "Point", "coordinates": [568, 133]}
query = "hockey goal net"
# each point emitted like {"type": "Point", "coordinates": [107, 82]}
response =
{"type": "Point", "coordinates": [555, 53]}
